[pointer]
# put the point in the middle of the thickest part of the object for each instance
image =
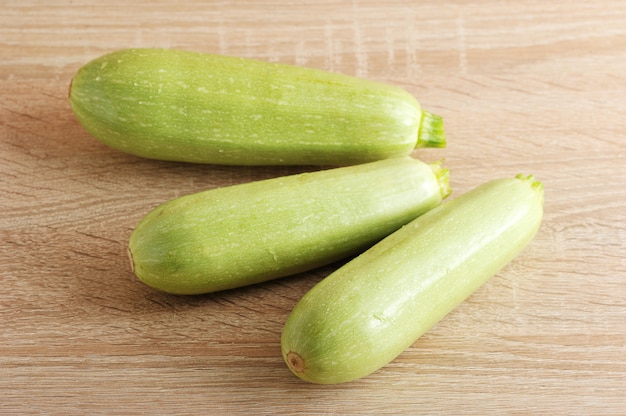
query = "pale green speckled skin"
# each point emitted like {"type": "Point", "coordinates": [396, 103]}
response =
{"type": "Point", "coordinates": [248, 233]}
{"type": "Point", "coordinates": [193, 107]}
{"type": "Point", "coordinates": [366, 313]}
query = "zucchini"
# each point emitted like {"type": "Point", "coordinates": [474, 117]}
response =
{"type": "Point", "coordinates": [192, 107]}
{"type": "Point", "coordinates": [248, 233]}
{"type": "Point", "coordinates": [367, 312]}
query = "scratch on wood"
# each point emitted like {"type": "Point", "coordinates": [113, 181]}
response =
{"type": "Point", "coordinates": [99, 237]}
{"type": "Point", "coordinates": [301, 57]}
{"type": "Point", "coordinates": [391, 55]}
{"type": "Point", "coordinates": [221, 40]}
{"type": "Point", "coordinates": [360, 54]}
{"type": "Point", "coordinates": [462, 46]}
{"type": "Point", "coordinates": [272, 54]}
{"type": "Point", "coordinates": [328, 46]}
{"type": "Point", "coordinates": [412, 65]}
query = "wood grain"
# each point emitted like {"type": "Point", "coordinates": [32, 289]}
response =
{"type": "Point", "coordinates": [533, 86]}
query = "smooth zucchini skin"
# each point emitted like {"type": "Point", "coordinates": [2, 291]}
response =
{"type": "Point", "coordinates": [366, 313]}
{"type": "Point", "coordinates": [186, 106]}
{"type": "Point", "coordinates": [243, 234]}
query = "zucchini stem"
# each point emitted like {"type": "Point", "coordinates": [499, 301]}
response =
{"type": "Point", "coordinates": [431, 132]}
{"type": "Point", "coordinates": [443, 178]}
{"type": "Point", "coordinates": [130, 257]}
{"type": "Point", "coordinates": [532, 182]}
{"type": "Point", "coordinates": [295, 362]}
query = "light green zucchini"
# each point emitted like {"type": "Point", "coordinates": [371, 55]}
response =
{"type": "Point", "coordinates": [192, 107]}
{"type": "Point", "coordinates": [366, 313]}
{"type": "Point", "coordinates": [243, 234]}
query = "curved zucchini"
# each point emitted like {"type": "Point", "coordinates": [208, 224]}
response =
{"type": "Point", "coordinates": [366, 313]}
{"type": "Point", "coordinates": [239, 235]}
{"type": "Point", "coordinates": [192, 107]}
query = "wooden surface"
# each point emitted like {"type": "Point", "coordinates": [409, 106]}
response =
{"type": "Point", "coordinates": [524, 86]}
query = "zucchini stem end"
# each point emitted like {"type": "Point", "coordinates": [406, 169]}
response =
{"type": "Point", "coordinates": [431, 132]}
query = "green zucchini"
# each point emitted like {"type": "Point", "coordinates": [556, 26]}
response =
{"type": "Point", "coordinates": [248, 233]}
{"type": "Point", "coordinates": [366, 313]}
{"type": "Point", "coordinates": [192, 107]}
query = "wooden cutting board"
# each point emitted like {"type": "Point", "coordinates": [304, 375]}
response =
{"type": "Point", "coordinates": [533, 87]}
